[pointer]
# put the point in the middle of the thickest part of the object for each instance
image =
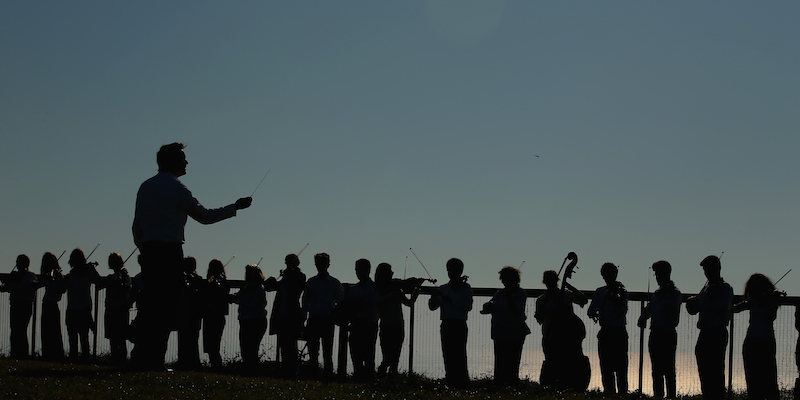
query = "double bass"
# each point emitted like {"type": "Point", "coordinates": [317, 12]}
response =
{"type": "Point", "coordinates": [565, 366]}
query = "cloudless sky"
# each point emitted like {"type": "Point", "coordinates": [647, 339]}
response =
{"type": "Point", "coordinates": [497, 132]}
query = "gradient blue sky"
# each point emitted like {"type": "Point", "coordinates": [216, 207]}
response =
{"type": "Point", "coordinates": [663, 130]}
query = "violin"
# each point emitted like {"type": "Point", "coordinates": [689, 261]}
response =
{"type": "Point", "coordinates": [408, 285]}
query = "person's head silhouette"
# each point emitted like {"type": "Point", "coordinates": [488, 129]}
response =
{"type": "Point", "coordinates": [712, 267]}
{"type": "Point", "coordinates": [363, 268]}
{"type": "Point", "coordinates": [609, 272]}
{"type": "Point", "coordinates": [550, 279]}
{"type": "Point", "coordinates": [455, 268]}
{"type": "Point", "coordinates": [322, 261]}
{"type": "Point", "coordinates": [172, 159]}
{"type": "Point", "coordinates": [383, 273]}
{"type": "Point", "coordinates": [510, 276]}
{"type": "Point", "coordinates": [662, 271]}
{"type": "Point", "coordinates": [115, 261]}
{"type": "Point", "coordinates": [23, 262]}
{"type": "Point", "coordinates": [216, 270]}
{"type": "Point", "coordinates": [49, 263]}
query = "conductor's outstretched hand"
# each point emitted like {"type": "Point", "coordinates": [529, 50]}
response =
{"type": "Point", "coordinates": [243, 203]}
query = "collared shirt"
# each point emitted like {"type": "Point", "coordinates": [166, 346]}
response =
{"type": "Point", "coordinates": [459, 305]}
{"type": "Point", "coordinates": [610, 306]}
{"type": "Point", "coordinates": [162, 206]}
{"type": "Point", "coordinates": [366, 291]}
{"type": "Point", "coordinates": [322, 293]}
{"type": "Point", "coordinates": [714, 305]}
{"type": "Point", "coordinates": [664, 308]}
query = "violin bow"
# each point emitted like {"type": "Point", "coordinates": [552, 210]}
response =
{"type": "Point", "coordinates": [129, 257]}
{"type": "Point", "coordinates": [423, 265]}
{"type": "Point", "coordinates": [303, 249]}
{"type": "Point", "coordinates": [93, 250]}
{"type": "Point", "coordinates": [229, 261]}
{"type": "Point", "coordinates": [784, 275]}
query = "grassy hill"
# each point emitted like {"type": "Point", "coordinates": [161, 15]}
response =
{"type": "Point", "coordinates": [44, 380]}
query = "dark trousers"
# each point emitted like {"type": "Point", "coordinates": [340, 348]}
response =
{"type": "Point", "coordinates": [710, 353]}
{"type": "Point", "coordinates": [363, 335]}
{"type": "Point", "coordinates": [251, 331]}
{"type": "Point", "coordinates": [760, 368]}
{"type": "Point", "coordinates": [116, 326]}
{"type": "Point", "coordinates": [662, 345]}
{"type": "Point", "coordinates": [158, 303]}
{"type": "Point", "coordinates": [213, 325]}
{"type": "Point", "coordinates": [189, 346]}
{"type": "Point", "coordinates": [20, 318]}
{"type": "Point", "coordinates": [392, 337]}
{"type": "Point", "coordinates": [320, 328]}
{"type": "Point", "coordinates": [52, 340]}
{"type": "Point", "coordinates": [612, 348]}
{"type": "Point", "coordinates": [507, 357]}
{"type": "Point", "coordinates": [290, 357]}
{"type": "Point", "coordinates": [454, 350]}
{"type": "Point", "coordinates": [79, 323]}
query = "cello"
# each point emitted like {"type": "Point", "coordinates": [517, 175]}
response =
{"type": "Point", "coordinates": [565, 366]}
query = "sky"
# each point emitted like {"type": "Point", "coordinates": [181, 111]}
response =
{"type": "Point", "coordinates": [496, 132]}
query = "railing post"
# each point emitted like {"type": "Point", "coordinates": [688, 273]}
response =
{"type": "Point", "coordinates": [96, 311]}
{"type": "Point", "coordinates": [411, 338]}
{"type": "Point", "coordinates": [33, 327]}
{"type": "Point", "coordinates": [730, 360]}
{"type": "Point", "coordinates": [641, 349]}
{"type": "Point", "coordinates": [343, 331]}
{"type": "Point", "coordinates": [342, 367]}
{"type": "Point", "coordinates": [278, 350]}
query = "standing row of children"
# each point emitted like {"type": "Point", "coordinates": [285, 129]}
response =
{"type": "Point", "coordinates": [372, 309]}
{"type": "Point", "coordinates": [714, 307]}
{"type": "Point", "coordinates": [22, 285]}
